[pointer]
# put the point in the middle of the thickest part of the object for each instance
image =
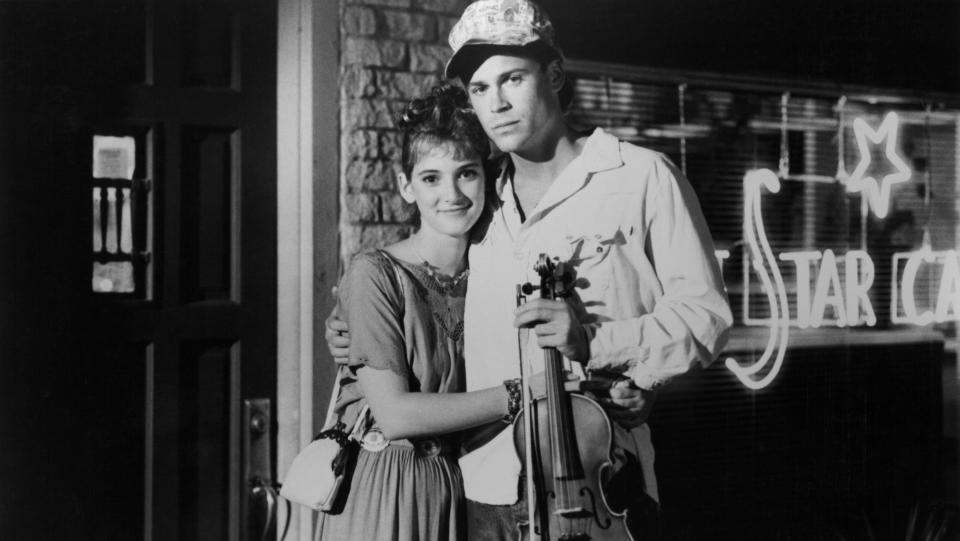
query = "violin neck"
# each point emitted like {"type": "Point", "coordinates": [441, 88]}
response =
{"type": "Point", "coordinates": [565, 456]}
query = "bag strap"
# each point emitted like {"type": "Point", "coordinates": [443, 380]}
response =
{"type": "Point", "coordinates": [360, 426]}
{"type": "Point", "coordinates": [334, 395]}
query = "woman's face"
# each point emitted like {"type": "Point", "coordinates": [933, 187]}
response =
{"type": "Point", "coordinates": [447, 185]}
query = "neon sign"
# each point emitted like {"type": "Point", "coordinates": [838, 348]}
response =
{"type": "Point", "coordinates": [830, 283]}
{"type": "Point", "coordinates": [877, 193]}
{"type": "Point", "coordinates": [766, 267]}
{"type": "Point", "coordinates": [831, 288]}
{"type": "Point", "coordinates": [942, 268]}
{"type": "Point", "coordinates": [849, 302]}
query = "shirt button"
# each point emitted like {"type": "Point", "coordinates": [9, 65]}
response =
{"type": "Point", "coordinates": [519, 256]}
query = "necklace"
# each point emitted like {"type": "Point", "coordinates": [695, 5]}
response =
{"type": "Point", "coordinates": [444, 281]}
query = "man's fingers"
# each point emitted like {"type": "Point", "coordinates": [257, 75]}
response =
{"type": "Point", "coordinates": [336, 325]}
{"type": "Point", "coordinates": [549, 328]}
{"type": "Point", "coordinates": [628, 405]}
{"type": "Point", "coordinates": [621, 403]}
{"type": "Point", "coordinates": [538, 311]}
{"type": "Point", "coordinates": [339, 342]}
{"type": "Point", "coordinates": [337, 335]}
{"type": "Point", "coordinates": [627, 417]}
{"type": "Point", "coordinates": [336, 340]}
{"type": "Point", "coordinates": [339, 347]}
{"type": "Point", "coordinates": [623, 394]}
{"type": "Point", "coordinates": [549, 337]}
{"type": "Point", "coordinates": [532, 317]}
{"type": "Point", "coordinates": [618, 391]}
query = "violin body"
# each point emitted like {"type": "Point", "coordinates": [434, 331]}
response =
{"type": "Point", "coordinates": [568, 461]}
{"type": "Point", "coordinates": [586, 514]}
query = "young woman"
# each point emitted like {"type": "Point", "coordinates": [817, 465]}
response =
{"type": "Point", "coordinates": [404, 306]}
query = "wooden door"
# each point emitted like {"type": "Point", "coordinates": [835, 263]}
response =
{"type": "Point", "coordinates": [138, 292]}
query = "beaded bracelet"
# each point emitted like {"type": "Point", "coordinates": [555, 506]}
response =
{"type": "Point", "coordinates": [514, 399]}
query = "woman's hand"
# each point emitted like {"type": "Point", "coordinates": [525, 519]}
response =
{"type": "Point", "coordinates": [538, 383]}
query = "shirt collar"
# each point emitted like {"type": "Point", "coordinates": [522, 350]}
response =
{"type": "Point", "coordinates": [601, 152]}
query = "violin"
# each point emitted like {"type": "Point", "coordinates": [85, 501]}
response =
{"type": "Point", "coordinates": [565, 443]}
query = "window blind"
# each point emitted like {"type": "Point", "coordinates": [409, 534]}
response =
{"type": "Point", "coordinates": [717, 134]}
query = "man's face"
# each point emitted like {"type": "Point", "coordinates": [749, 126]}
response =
{"type": "Point", "coordinates": [516, 102]}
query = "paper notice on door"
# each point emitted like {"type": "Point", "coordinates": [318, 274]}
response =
{"type": "Point", "coordinates": [114, 157]}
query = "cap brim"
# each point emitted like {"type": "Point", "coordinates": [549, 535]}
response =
{"type": "Point", "coordinates": [451, 70]}
{"type": "Point", "coordinates": [474, 52]}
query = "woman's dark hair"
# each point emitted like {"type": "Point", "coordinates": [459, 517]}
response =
{"type": "Point", "coordinates": [443, 116]}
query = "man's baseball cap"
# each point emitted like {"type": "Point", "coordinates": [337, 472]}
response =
{"type": "Point", "coordinates": [507, 23]}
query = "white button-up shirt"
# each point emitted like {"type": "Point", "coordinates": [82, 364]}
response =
{"type": "Point", "coordinates": [628, 223]}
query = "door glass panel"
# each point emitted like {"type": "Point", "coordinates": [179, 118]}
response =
{"type": "Point", "coordinates": [113, 277]}
{"type": "Point", "coordinates": [121, 215]}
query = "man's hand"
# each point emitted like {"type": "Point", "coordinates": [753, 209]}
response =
{"type": "Point", "coordinates": [338, 338]}
{"type": "Point", "coordinates": [555, 325]}
{"type": "Point", "coordinates": [628, 405]}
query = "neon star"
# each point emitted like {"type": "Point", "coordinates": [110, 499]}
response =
{"type": "Point", "coordinates": [877, 193]}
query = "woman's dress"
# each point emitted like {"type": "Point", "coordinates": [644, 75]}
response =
{"type": "Point", "coordinates": [409, 321]}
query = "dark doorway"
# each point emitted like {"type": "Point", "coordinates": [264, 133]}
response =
{"type": "Point", "coordinates": [138, 286]}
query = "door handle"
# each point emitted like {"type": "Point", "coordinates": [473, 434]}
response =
{"type": "Point", "coordinates": [261, 498]}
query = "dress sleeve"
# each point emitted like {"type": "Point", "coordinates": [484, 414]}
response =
{"type": "Point", "coordinates": [370, 299]}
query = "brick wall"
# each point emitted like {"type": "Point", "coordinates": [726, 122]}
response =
{"type": "Point", "coordinates": [391, 51]}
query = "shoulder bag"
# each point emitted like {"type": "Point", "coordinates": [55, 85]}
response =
{"type": "Point", "coordinates": [325, 465]}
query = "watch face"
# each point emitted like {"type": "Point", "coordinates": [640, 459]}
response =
{"type": "Point", "coordinates": [374, 440]}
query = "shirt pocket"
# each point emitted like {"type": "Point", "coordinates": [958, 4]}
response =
{"type": "Point", "coordinates": [593, 255]}
{"type": "Point", "coordinates": [592, 247]}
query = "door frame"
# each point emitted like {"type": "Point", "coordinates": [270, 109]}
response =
{"type": "Point", "coordinates": [308, 198]}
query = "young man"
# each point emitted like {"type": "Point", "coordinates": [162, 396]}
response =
{"type": "Point", "coordinates": [650, 300]}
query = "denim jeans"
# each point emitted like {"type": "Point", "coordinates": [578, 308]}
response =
{"type": "Point", "coordinates": [494, 522]}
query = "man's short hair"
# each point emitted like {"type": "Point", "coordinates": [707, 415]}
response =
{"type": "Point", "coordinates": [470, 58]}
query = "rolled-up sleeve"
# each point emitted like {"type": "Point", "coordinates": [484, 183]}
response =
{"type": "Point", "coordinates": [689, 321]}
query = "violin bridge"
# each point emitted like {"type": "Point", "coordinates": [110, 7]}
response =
{"type": "Point", "coordinates": [573, 512]}
{"type": "Point", "coordinates": [577, 536]}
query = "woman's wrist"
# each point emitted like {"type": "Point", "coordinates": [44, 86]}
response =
{"type": "Point", "coordinates": [514, 399]}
